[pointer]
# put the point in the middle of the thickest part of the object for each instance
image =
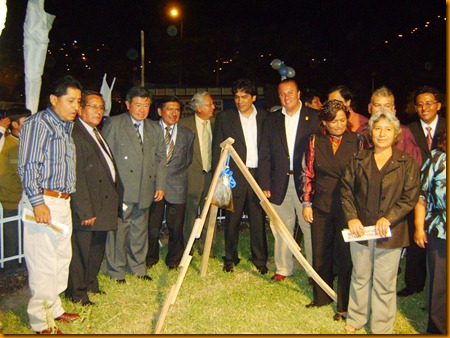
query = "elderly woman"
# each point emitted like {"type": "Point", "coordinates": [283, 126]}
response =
{"type": "Point", "coordinates": [379, 187]}
{"type": "Point", "coordinates": [324, 163]}
{"type": "Point", "coordinates": [430, 218]}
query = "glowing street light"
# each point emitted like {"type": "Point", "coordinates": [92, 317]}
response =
{"type": "Point", "coordinates": [174, 12]}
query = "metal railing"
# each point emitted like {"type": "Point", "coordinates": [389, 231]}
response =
{"type": "Point", "coordinates": [18, 223]}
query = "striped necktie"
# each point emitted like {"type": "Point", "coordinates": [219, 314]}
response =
{"type": "Point", "coordinates": [169, 143]}
{"type": "Point", "coordinates": [429, 138]}
{"type": "Point", "coordinates": [206, 147]}
{"type": "Point", "coordinates": [100, 141]}
{"type": "Point", "coordinates": [136, 125]}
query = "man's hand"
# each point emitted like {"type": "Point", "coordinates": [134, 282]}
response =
{"type": "Point", "coordinates": [89, 222]}
{"type": "Point", "coordinates": [5, 122]}
{"type": "Point", "coordinates": [356, 227]}
{"type": "Point", "coordinates": [267, 193]}
{"type": "Point", "coordinates": [159, 194]}
{"type": "Point", "coordinates": [420, 237]}
{"type": "Point", "coordinates": [42, 214]}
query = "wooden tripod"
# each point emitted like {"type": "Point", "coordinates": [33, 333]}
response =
{"type": "Point", "coordinates": [276, 225]}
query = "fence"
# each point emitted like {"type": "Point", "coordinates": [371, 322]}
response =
{"type": "Point", "coordinates": [18, 223]}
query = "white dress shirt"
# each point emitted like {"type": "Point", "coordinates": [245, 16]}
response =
{"type": "Point", "coordinates": [291, 125]}
{"type": "Point", "coordinates": [250, 129]}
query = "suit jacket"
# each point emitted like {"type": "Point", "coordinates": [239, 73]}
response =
{"type": "Point", "coordinates": [274, 162]}
{"type": "Point", "coordinates": [421, 138]}
{"type": "Point", "coordinates": [228, 124]}
{"type": "Point", "coordinates": [142, 172]}
{"type": "Point", "coordinates": [177, 166]}
{"type": "Point", "coordinates": [96, 193]}
{"type": "Point", "coordinates": [196, 180]}
{"type": "Point", "coordinates": [323, 170]}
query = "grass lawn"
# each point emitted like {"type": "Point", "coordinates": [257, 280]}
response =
{"type": "Point", "coordinates": [243, 302]}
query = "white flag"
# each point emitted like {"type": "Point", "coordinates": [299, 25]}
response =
{"type": "Point", "coordinates": [35, 43]}
{"type": "Point", "coordinates": [106, 92]}
{"type": "Point", "coordinates": [3, 11]}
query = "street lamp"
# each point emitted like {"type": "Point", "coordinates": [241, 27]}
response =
{"type": "Point", "coordinates": [176, 13]}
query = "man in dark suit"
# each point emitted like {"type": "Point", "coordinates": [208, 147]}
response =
{"type": "Point", "coordinates": [96, 204]}
{"type": "Point", "coordinates": [199, 172]}
{"type": "Point", "coordinates": [244, 125]}
{"type": "Point", "coordinates": [137, 144]}
{"type": "Point", "coordinates": [284, 138]}
{"type": "Point", "coordinates": [426, 131]}
{"type": "Point", "coordinates": [179, 142]}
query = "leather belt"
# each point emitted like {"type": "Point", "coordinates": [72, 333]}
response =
{"type": "Point", "coordinates": [291, 172]}
{"type": "Point", "coordinates": [56, 194]}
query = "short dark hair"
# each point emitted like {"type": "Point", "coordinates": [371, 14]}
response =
{"type": "Point", "coordinates": [167, 99]}
{"type": "Point", "coordinates": [245, 85]}
{"type": "Point", "coordinates": [430, 90]}
{"type": "Point", "coordinates": [330, 109]}
{"type": "Point", "coordinates": [344, 91]}
{"type": "Point", "coordinates": [16, 113]}
{"type": "Point", "coordinates": [308, 94]}
{"type": "Point", "coordinates": [60, 86]}
{"type": "Point", "coordinates": [88, 92]}
{"type": "Point", "coordinates": [138, 91]}
{"type": "Point", "coordinates": [289, 80]}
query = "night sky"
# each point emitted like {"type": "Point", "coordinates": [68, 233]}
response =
{"type": "Point", "coordinates": [326, 42]}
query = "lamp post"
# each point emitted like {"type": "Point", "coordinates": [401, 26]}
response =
{"type": "Point", "coordinates": [176, 13]}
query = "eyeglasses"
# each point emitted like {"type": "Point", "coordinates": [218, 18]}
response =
{"type": "Point", "coordinates": [425, 104]}
{"type": "Point", "coordinates": [102, 108]}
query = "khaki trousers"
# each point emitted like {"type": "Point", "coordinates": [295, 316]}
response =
{"type": "Point", "coordinates": [291, 206]}
{"type": "Point", "coordinates": [48, 256]}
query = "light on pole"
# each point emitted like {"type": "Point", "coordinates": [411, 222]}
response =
{"type": "Point", "coordinates": [176, 13]}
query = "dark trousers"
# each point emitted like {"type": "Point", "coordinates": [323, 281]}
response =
{"type": "Point", "coordinates": [249, 202]}
{"type": "Point", "coordinates": [437, 267]}
{"type": "Point", "coordinates": [88, 249]}
{"type": "Point", "coordinates": [325, 235]}
{"type": "Point", "coordinates": [174, 221]}
{"type": "Point", "coordinates": [416, 262]}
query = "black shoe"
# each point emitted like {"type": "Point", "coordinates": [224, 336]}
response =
{"type": "Point", "coordinates": [173, 267]}
{"type": "Point", "coordinates": [228, 267]}
{"type": "Point", "coordinates": [99, 292]}
{"type": "Point", "coordinates": [339, 316]}
{"type": "Point", "coordinates": [263, 269]}
{"type": "Point", "coordinates": [145, 277]}
{"type": "Point", "coordinates": [88, 303]}
{"type": "Point", "coordinates": [313, 304]}
{"type": "Point", "coordinates": [405, 292]}
{"type": "Point", "coordinates": [121, 281]}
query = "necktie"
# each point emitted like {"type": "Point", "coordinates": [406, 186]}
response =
{"type": "Point", "coordinates": [100, 141]}
{"type": "Point", "coordinates": [169, 143]}
{"type": "Point", "coordinates": [429, 138]}
{"type": "Point", "coordinates": [206, 147]}
{"type": "Point", "coordinates": [139, 136]}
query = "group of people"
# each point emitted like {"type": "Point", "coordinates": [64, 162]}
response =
{"type": "Point", "coordinates": [323, 167]}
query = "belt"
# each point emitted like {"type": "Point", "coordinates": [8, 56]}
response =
{"type": "Point", "coordinates": [290, 172]}
{"type": "Point", "coordinates": [56, 194]}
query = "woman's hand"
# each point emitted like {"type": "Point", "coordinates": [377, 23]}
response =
{"type": "Point", "coordinates": [356, 227]}
{"type": "Point", "coordinates": [308, 214]}
{"type": "Point", "coordinates": [420, 237]}
{"type": "Point", "coordinates": [382, 227]}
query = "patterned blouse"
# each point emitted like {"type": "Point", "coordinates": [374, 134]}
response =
{"type": "Point", "coordinates": [433, 191]}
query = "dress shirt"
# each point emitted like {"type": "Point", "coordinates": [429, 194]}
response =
{"type": "Point", "coordinates": [105, 155]}
{"type": "Point", "coordinates": [46, 155]}
{"type": "Point", "coordinates": [291, 125]}
{"type": "Point", "coordinates": [250, 129]}
{"type": "Point", "coordinates": [433, 126]}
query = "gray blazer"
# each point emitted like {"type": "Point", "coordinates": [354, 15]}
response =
{"type": "Point", "coordinates": [141, 172]}
{"type": "Point", "coordinates": [177, 180]}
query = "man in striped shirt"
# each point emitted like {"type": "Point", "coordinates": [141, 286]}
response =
{"type": "Point", "coordinates": [47, 171]}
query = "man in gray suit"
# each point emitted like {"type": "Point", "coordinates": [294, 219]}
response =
{"type": "Point", "coordinates": [199, 172]}
{"type": "Point", "coordinates": [179, 149]}
{"type": "Point", "coordinates": [137, 144]}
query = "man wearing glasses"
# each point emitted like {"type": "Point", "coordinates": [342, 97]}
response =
{"type": "Point", "coordinates": [426, 131]}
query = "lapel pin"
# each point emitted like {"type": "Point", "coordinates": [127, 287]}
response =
{"type": "Point", "coordinates": [306, 118]}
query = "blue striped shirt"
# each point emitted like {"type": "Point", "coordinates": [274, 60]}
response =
{"type": "Point", "coordinates": [46, 155]}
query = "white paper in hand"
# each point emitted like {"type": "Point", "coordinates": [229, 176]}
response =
{"type": "Point", "coordinates": [61, 229]}
{"type": "Point", "coordinates": [369, 233]}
